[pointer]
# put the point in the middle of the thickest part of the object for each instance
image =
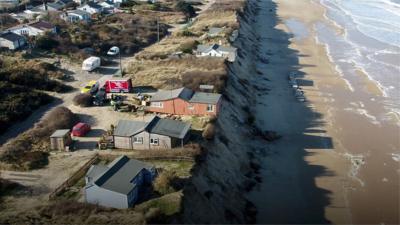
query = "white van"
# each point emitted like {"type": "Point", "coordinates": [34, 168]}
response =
{"type": "Point", "coordinates": [91, 63]}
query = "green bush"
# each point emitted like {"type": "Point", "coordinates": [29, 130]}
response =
{"type": "Point", "coordinates": [186, 8]}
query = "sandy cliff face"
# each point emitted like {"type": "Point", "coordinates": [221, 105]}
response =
{"type": "Point", "coordinates": [216, 190]}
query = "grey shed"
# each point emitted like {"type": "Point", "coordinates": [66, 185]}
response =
{"type": "Point", "coordinates": [60, 139]}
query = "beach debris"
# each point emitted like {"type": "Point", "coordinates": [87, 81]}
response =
{"type": "Point", "coordinates": [396, 157]}
{"type": "Point", "coordinates": [356, 162]}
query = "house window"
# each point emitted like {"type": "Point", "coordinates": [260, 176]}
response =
{"type": "Point", "coordinates": [157, 104]}
{"type": "Point", "coordinates": [138, 140]}
{"type": "Point", "coordinates": [210, 108]}
{"type": "Point", "coordinates": [154, 141]}
{"type": "Point", "coordinates": [190, 106]}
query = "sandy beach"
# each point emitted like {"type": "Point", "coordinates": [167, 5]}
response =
{"type": "Point", "coordinates": [335, 161]}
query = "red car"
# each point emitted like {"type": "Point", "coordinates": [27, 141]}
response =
{"type": "Point", "coordinates": [80, 129]}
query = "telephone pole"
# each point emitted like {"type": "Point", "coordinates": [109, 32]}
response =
{"type": "Point", "coordinates": [158, 30]}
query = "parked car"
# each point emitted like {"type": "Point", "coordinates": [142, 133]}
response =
{"type": "Point", "coordinates": [91, 63]}
{"type": "Point", "coordinates": [80, 129]}
{"type": "Point", "coordinates": [88, 86]}
{"type": "Point", "coordinates": [113, 51]}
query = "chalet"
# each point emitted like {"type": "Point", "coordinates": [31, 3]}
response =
{"type": "Point", "coordinates": [155, 134]}
{"type": "Point", "coordinates": [119, 183]}
{"type": "Point", "coordinates": [12, 41]}
{"type": "Point", "coordinates": [34, 29]}
{"type": "Point", "coordinates": [216, 50]}
{"type": "Point", "coordinates": [77, 15]}
{"type": "Point", "coordinates": [92, 8]}
{"type": "Point", "coordinates": [184, 101]}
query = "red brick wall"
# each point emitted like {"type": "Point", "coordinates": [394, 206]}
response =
{"type": "Point", "coordinates": [181, 107]}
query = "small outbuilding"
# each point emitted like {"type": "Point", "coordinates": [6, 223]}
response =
{"type": "Point", "coordinates": [60, 139]}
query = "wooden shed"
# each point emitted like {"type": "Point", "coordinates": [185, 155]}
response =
{"type": "Point", "coordinates": [60, 139]}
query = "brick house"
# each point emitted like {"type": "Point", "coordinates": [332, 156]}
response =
{"type": "Point", "coordinates": [184, 101]}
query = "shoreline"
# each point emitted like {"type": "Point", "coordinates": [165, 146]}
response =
{"type": "Point", "coordinates": [350, 144]}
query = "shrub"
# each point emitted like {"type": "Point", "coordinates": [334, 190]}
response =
{"type": "Point", "coordinates": [46, 42]}
{"type": "Point", "coordinates": [193, 79]}
{"type": "Point", "coordinates": [18, 102]}
{"type": "Point", "coordinates": [186, 33]}
{"type": "Point", "coordinates": [188, 46]}
{"type": "Point", "coordinates": [33, 160]}
{"type": "Point", "coordinates": [83, 100]}
{"type": "Point", "coordinates": [209, 132]}
{"type": "Point", "coordinates": [128, 4]}
{"type": "Point", "coordinates": [7, 186]}
{"type": "Point", "coordinates": [164, 182]}
{"type": "Point", "coordinates": [186, 8]}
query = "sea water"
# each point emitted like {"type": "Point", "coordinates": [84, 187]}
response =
{"type": "Point", "coordinates": [369, 42]}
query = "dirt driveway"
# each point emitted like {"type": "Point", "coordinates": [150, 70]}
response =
{"type": "Point", "coordinates": [38, 184]}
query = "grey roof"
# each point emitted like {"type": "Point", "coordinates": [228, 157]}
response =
{"type": "Point", "coordinates": [167, 127]}
{"type": "Point", "coordinates": [183, 93]}
{"type": "Point", "coordinates": [120, 173]}
{"type": "Point", "coordinates": [60, 133]}
{"type": "Point", "coordinates": [187, 95]}
{"type": "Point", "coordinates": [55, 5]}
{"type": "Point", "coordinates": [216, 47]}
{"type": "Point", "coordinates": [64, 2]}
{"type": "Point", "coordinates": [95, 171]}
{"type": "Point", "coordinates": [127, 128]}
{"type": "Point", "coordinates": [78, 12]}
{"type": "Point", "coordinates": [94, 5]}
{"type": "Point", "coordinates": [202, 97]}
{"type": "Point", "coordinates": [10, 36]}
{"type": "Point", "coordinates": [215, 30]}
{"type": "Point", "coordinates": [157, 125]}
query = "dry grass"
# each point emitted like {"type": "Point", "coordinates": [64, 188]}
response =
{"type": "Point", "coordinates": [163, 184]}
{"type": "Point", "coordinates": [168, 73]}
{"type": "Point", "coordinates": [215, 19]}
{"type": "Point", "coordinates": [209, 132]}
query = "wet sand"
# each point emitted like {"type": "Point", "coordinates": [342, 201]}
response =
{"type": "Point", "coordinates": [334, 163]}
